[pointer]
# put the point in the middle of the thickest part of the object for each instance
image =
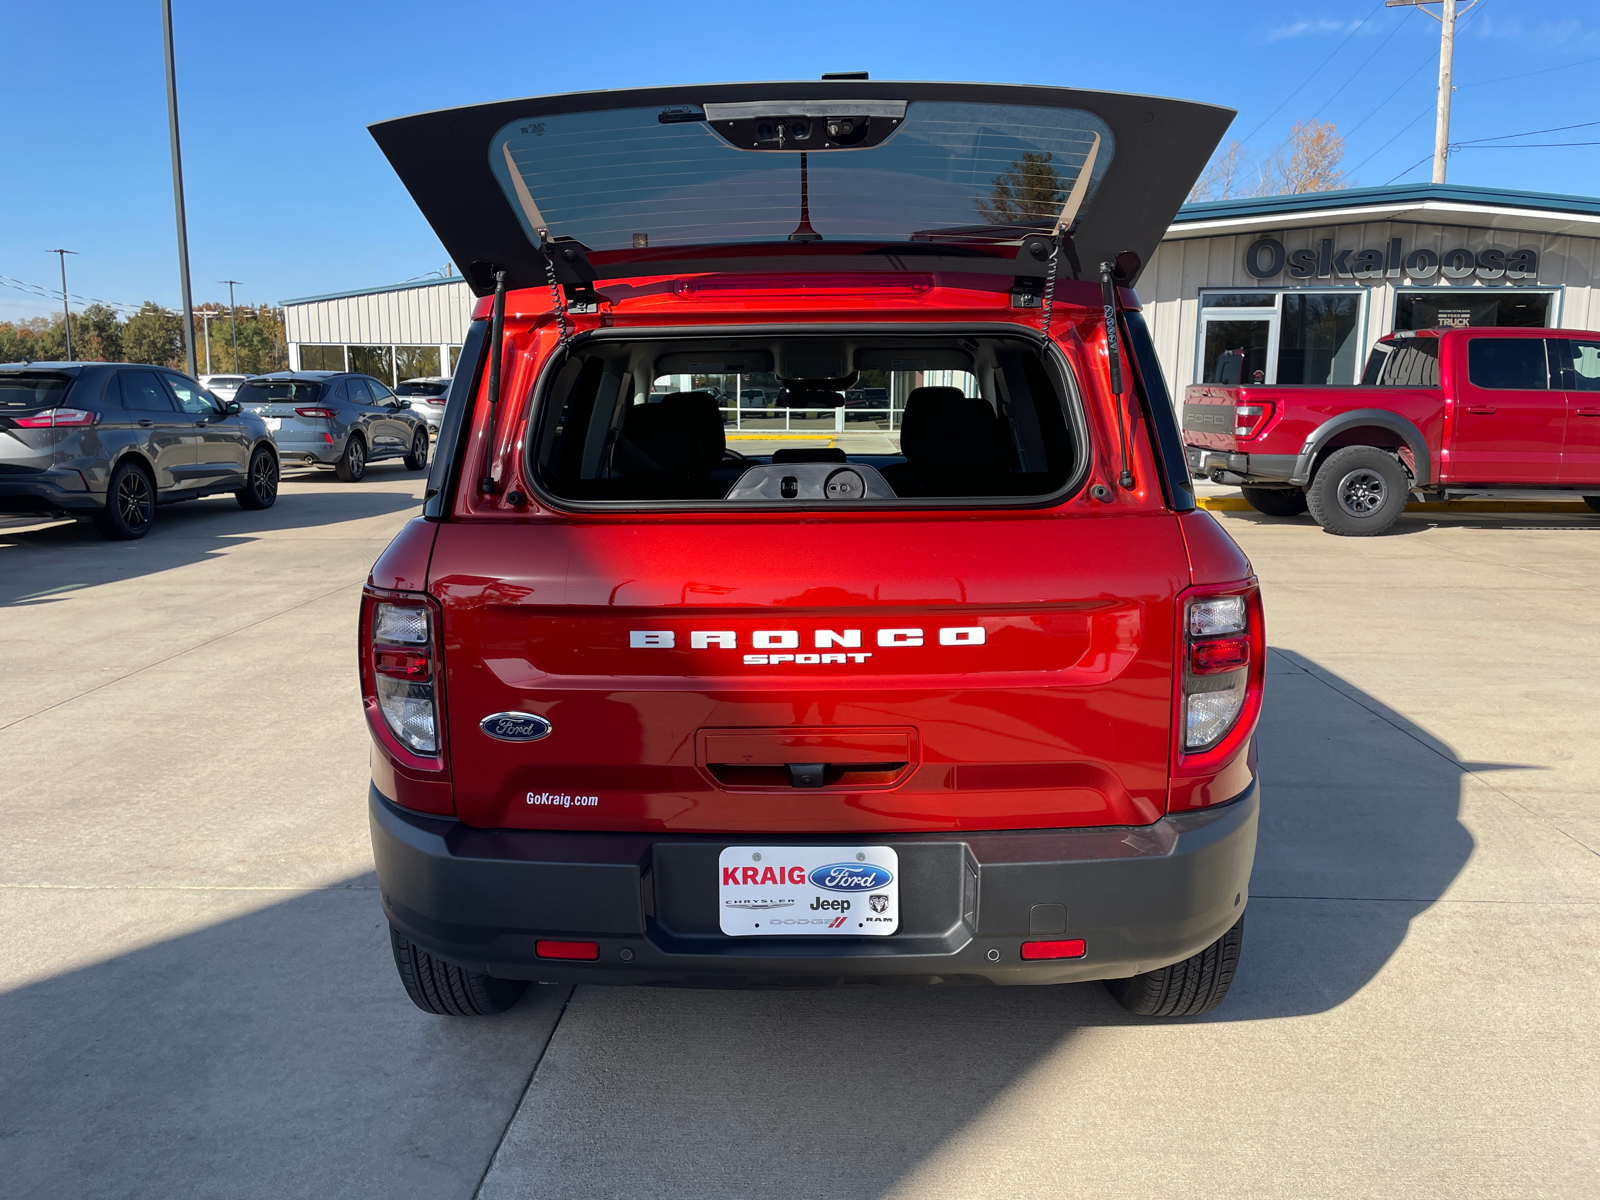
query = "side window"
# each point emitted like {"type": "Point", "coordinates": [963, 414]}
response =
{"type": "Point", "coordinates": [1582, 362]}
{"type": "Point", "coordinates": [1414, 363]}
{"type": "Point", "coordinates": [1511, 363]}
{"type": "Point", "coordinates": [380, 394]}
{"type": "Point", "coordinates": [1374, 368]}
{"type": "Point", "coordinates": [142, 391]}
{"type": "Point", "coordinates": [112, 396]}
{"type": "Point", "coordinates": [356, 390]}
{"type": "Point", "coordinates": [190, 398]}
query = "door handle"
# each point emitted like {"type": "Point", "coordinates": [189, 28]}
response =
{"type": "Point", "coordinates": [146, 424]}
{"type": "Point", "coordinates": [1479, 408]}
{"type": "Point", "coordinates": [1589, 412]}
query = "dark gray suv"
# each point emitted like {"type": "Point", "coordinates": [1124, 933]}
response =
{"type": "Point", "coordinates": [338, 420]}
{"type": "Point", "coordinates": [113, 440]}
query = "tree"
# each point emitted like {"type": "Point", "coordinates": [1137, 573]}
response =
{"type": "Point", "coordinates": [1224, 176]}
{"type": "Point", "coordinates": [1028, 192]}
{"type": "Point", "coordinates": [21, 340]}
{"type": "Point", "coordinates": [154, 335]}
{"type": "Point", "coordinates": [1315, 152]}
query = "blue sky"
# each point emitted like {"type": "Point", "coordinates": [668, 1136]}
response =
{"type": "Point", "coordinates": [288, 193]}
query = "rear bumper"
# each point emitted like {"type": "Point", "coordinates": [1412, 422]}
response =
{"type": "Point", "coordinates": [47, 491]}
{"type": "Point", "coordinates": [1244, 468]}
{"type": "Point", "coordinates": [1140, 898]}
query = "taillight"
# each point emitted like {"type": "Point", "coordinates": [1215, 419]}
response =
{"type": "Point", "coordinates": [1216, 668]}
{"type": "Point", "coordinates": [1250, 419]}
{"type": "Point", "coordinates": [326, 414]}
{"type": "Point", "coordinates": [402, 656]}
{"type": "Point", "coordinates": [56, 418]}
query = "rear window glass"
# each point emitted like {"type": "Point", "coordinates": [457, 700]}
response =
{"type": "Point", "coordinates": [805, 421]}
{"type": "Point", "coordinates": [1405, 362]}
{"type": "Point", "coordinates": [278, 391]}
{"type": "Point", "coordinates": [422, 389]}
{"type": "Point", "coordinates": [32, 389]}
{"type": "Point", "coordinates": [1507, 363]}
{"type": "Point", "coordinates": [876, 171]}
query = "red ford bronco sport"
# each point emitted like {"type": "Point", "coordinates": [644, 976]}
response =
{"type": "Point", "coordinates": [966, 696]}
{"type": "Point", "coordinates": [1440, 412]}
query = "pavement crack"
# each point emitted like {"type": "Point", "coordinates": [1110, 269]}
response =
{"type": "Point", "coordinates": [177, 654]}
{"type": "Point", "coordinates": [522, 1097]}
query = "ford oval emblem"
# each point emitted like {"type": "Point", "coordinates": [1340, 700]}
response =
{"type": "Point", "coordinates": [515, 727]}
{"type": "Point", "coordinates": [851, 877]}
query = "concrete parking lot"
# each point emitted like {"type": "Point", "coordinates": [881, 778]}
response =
{"type": "Point", "coordinates": [198, 998]}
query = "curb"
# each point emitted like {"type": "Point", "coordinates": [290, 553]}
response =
{"type": "Point", "coordinates": [1576, 508]}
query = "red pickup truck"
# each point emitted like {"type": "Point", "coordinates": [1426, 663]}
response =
{"type": "Point", "coordinates": [1442, 413]}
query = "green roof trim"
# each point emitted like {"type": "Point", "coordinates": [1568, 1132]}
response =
{"type": "Point", "coordinates": [1406, 193]}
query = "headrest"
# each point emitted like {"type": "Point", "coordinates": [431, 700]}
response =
{"type": "Point", "coordinates": [797, 454]}
{"type": "Point", "coordinates": [944, 428]}
{"type": "Point", "coordinates": [680, 434]}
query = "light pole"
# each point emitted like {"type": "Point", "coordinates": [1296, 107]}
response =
{"type": "Point", "coordinates": [177, 187]}
{"type": "Point", "coordinates": [207, 315]}
{"type": "Point", "coordinates": [66, 313]}
{"type": "Point", "coordinates": [1447, 52]}
{"type": "Point", "coordinates": [233, 323]}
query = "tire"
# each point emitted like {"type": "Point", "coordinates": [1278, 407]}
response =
{"type": "Point", "coordinates": [352, 464]}
{"type": "Point", "coordinates": [445, 990]}
{"type": "Point", "coordinates": [418, 458]}
{"type": "Point", "coordinates": [1185, 989]}
{"type": "Point", "coordinates": [1276, 502]}
{"type": "Point", "coordinates": [1358, 491]}
{"type": "Point", "coordinates": [1593, 502]}
{"type": "Point", "coordinates": [130, 503]}
{"type": "Point", "coordinates": [261, 481]}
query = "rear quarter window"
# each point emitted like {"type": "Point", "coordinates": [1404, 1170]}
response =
{"type": "Point", "coordinates": [1409, 362]}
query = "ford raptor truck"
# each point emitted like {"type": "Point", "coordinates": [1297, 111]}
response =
{"type": "Point", "coordinates": [666, 690]}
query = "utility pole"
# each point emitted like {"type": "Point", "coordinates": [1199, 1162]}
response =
{"type": "Point", "coordinates": [233, 323]}
{"type": "Point", "coordinates": [177, 188]}
{"type": "Point", "coordinates": [66, 313]}
{"type": "Point", "coordinates": [1447, 51]}
{"type": "Point", "coordinates": [207, 315]}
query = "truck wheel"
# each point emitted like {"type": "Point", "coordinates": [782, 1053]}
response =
{"type": "Point", "coordinates": [438, 987]}
{"type": "Point", "coordinates": [1358, 492]}
{"type": "Point", "coordinates": [1593, 502]}
{"type": "Point", "coordinates": [418, 458]}
{"type": "Point", "coordinates": [261, 481]}
{"type": "Point", "coordinates": [1276, 502]}
{"type": "Point", "coordinates": [352, 464]}
{"type": "Point", "coordinates": [1185, 989]}
{"type": "Point", "coordinates": [130, 504]}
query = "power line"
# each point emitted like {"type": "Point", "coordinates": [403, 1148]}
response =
{"type": "Point", "coordinates": [1384, 103]}
{"type": "Point", "coordinates": [1351, 77]}
{"type": "Point", "coordinates": [1524, 146]}
{"type": "Point", "coordinates": [1313, 74]}
{"type": "Point", "coordinates": [1527, 133]}
{"type": "Point", "coordinates": [1391, 142]}
{"type": "Point", "coordinates": [1582, 62]}
{"type": "Point", "coordinates": [1425, 158]}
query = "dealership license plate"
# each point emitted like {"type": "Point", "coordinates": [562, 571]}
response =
{"type": "Point", "coordinates": [768, 891]}
{"type": "Point", "coordinates": [273, 422]}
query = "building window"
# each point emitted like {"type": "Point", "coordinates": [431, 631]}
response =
{"type": "Point", "coordinates": [322, 358]}
{"type": "Point", "coordinates": [1458, 308]}
{"type": "Point", "coordinates": [1299, 337]}
{"type": "Point", "coordinates": [415, 362]}
{"type": "Point", "coordinates": [455, 357]}
{"type": "Point", "coordinates": [377, 361]}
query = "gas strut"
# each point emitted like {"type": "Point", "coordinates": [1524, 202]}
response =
{"type": "Point", "coordinates": [497, 333]}
{"type": "Point", "coordinates": [1108, 298]}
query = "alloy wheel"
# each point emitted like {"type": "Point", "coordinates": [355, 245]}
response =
{"type": "Point", "coordinates": [264, 479]}
{"type": "Point", "coordinates": [134, 502]}
{"type": "Point", "coordinates": [1362, 492]}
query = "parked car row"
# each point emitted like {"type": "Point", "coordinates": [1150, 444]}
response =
{"type": "Point", "coordinates": [110, 441]}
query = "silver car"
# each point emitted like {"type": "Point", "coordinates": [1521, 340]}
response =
{"type": "Point", "coordinates": [331, 419]}
{"type": "Point", "coordinates": [222, 386]}
{"type": "Point", "coordinates": [427, 395]}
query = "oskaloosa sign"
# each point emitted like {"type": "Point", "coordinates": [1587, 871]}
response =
{"type": "Point", "coordinates": [1267, 258]}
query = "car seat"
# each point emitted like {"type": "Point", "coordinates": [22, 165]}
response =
{"type": "Point", "coordinates": [946, 436]}
{"type": "Point", "coordinates": [674, 443]}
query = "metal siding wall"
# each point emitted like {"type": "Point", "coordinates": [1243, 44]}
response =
{"type": "Point", "coordinates": [422, 316]}
{"type": "Point", "coordinates": [1180, 268]}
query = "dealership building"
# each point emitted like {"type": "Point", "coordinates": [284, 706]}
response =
{"type": "Point", "coordinates": [1276, 289]}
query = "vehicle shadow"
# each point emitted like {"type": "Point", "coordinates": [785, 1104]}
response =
{"type": "Point", "coordinates": [1421, 522]}
{"type": "Point", "coordinates": [39, 565]}
{"type": "Point", "coordinates": [274, 1048]}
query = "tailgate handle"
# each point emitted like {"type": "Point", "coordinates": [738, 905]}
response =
{"type": "Point", "coordinates": [1479, 408]}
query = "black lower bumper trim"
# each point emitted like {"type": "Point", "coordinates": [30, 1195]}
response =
{"type": "Point", "coordinates": [1139, 897]}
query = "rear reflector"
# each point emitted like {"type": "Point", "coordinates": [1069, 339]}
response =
{"type": "Point", "coordinates": [409, 664]}
{"type": "Point", "coordinates": [1073, 948]}
{"type": "Point", "coordinates": [585, 950]}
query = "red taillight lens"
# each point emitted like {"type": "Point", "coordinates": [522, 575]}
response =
{"type": "Point", "coordinates": [1072, 948]}
{"type": "Point", "coordinates": [326, 414]}
{"type": "Point", "coordinates": [406, 664]}
{"type": "Point", "coordinates": [1223, 654]}
{"type": "Point", "coordinates": [581, 950]}
{"type": "Point", "coordinates": [1250, 419]}
{"type": "Point", "coordinates": [56, 418]}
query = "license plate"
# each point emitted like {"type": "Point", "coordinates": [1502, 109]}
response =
{"type": "Point", "coordinates": [273, 422]}
{"type": "Point", "coordinates": [774, 891]}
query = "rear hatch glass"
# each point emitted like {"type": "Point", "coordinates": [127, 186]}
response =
{"type": "Point", "coordinates": [24, 392]}
{"type": "Point", "coordinates": [278, 397]}
{"type": "Point", "coordinates": [781, 421]}
{"type": "Point", "coordinates": [422, 389]}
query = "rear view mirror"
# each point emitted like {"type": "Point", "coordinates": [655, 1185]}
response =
{"type": "Point", "coordinates": [232, 407]}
